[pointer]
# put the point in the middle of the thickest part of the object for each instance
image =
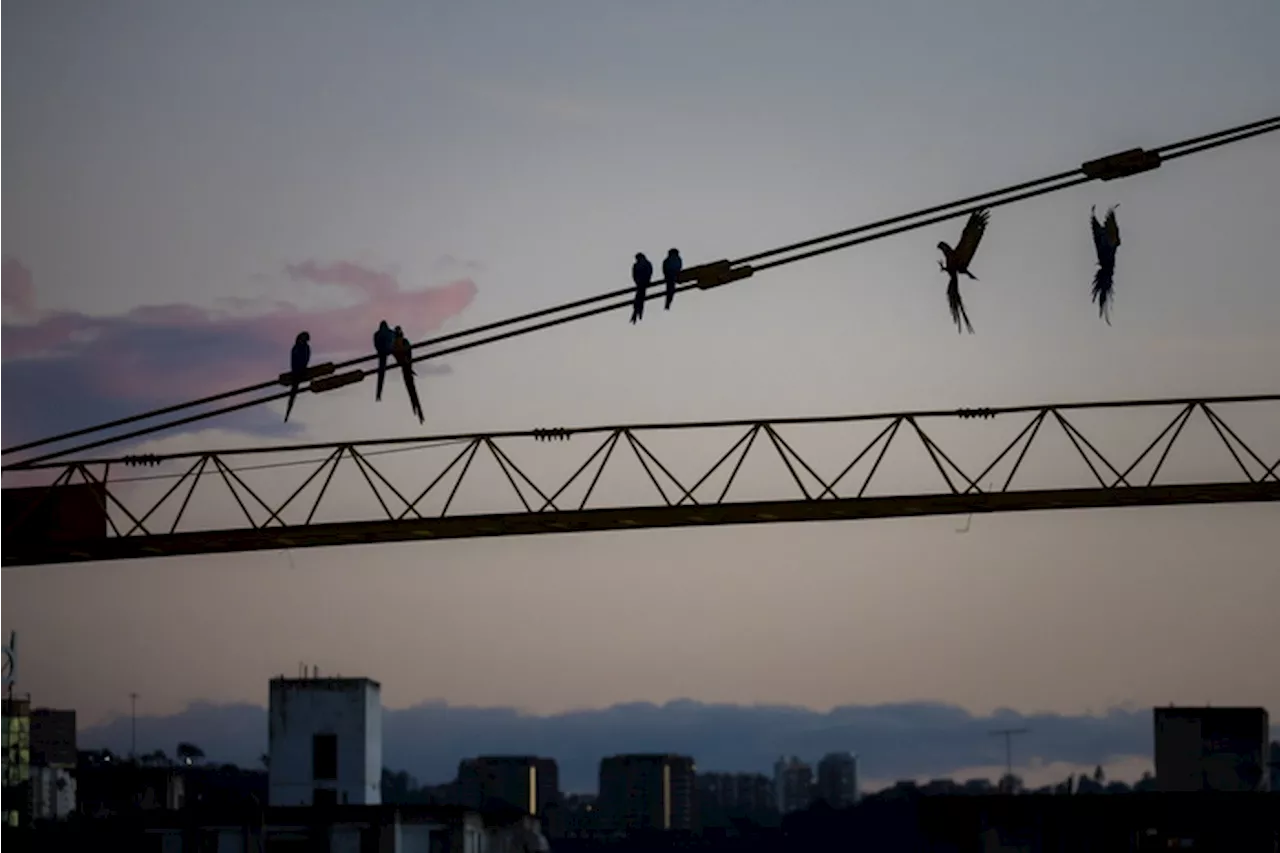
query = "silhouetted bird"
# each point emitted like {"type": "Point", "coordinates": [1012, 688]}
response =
{"type": "Point", "coordinates": [383, 340]}
{"type": "Point", "coordinates": [642, 275]}
{"type": "Point", "coordinates": [671, 271]}
{"type": "Point", "coordinates": [299, 358]}
{"type": "Point", "coordinates": [1106, 239]}
{"type": "Point", "coordinates": [957, 262]}
{"type": "Point", "coordinates": [402, 350]}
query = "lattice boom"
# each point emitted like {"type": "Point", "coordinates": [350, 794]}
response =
{"type": "Point", "coordinates": [836, 478]}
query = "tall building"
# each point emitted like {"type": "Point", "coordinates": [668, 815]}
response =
{"type": "Point", "coordinates": [53, 738]}
{"type": "Point", "coordinates": [1211, 749]}
{"type": "Point", "coordinates": [325, 738]}
{"type": "Point", "coordinates": [838, 779]}
{"type": "Point", "coordinates": [53, 764]}
{"type": "Point", "coordinates": [1275, 765]}
{"type": "Point", "coordinates": [524, 781]}
{"type": "Point", "coordinates": [647, 792]}
{"type": "Point", "coordinates": [17, 762]}
{"type": "Point", "coordinates": [792, 784]}
{"type": "Point", "coordinates": [727, 797]}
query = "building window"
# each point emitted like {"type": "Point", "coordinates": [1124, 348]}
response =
{"type": "Point", "coordinates": [324, 757]}
{"type": "Point", "coordinates": [324, 797]}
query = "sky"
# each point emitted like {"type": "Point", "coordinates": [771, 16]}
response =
{"type": "Point", "coordinates": [188, 185]}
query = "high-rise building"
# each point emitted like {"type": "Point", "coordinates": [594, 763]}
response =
{"type": "Point", "coordinates": [647, 792]}
{"type": "Point", "coordinates": [838, 779]}
{"type": "Point", "coordinates": [53, 762]}
{"type": "Point", "coordinates": [325, 739]}
{"type": "Point", "coordinates": [53, 738]}
{"type": "Point", "coordinates": [1275, 765]}
{"type": "Point", "coordinates": [792, 784]}
{"type": "Point", "coordinates": [727, 797]}
{"type": "Point", "coordinates": [524, 781]}
{"type": "Point", "coordinates": [1211, 749]}
{"type": "Point", "coordinates": [17, 762]}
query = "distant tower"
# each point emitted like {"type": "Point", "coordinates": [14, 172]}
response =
{"type": "Point", "coordinates": [647, 792]}
{"type": "Point", "coordinates": [792, 784]}
{"type": "Point", "coordinates": [325, 742]}
{"type": "Point", "coordinates": [838, 779]}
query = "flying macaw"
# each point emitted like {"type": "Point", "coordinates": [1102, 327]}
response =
{"type": "Point", "coordinates": [299, 358]}
{"type": "Point", "coordinates": [642, 275]}
{"type": "Point", "coordinates": [671, 271]}
{"type": "Point", "coordinates": [957, 262]}
{"type": "Point", "coordinates": [401, 349]}
{"type": "Point", "coordinates": [1106, 239]}
{"type": "Point", "coordinates": [383, 339]}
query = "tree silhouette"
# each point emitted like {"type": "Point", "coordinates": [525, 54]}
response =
{"type": "Point", "coordinates": [155, 758]}
{"type": "Point", "coordinates": [189, 753]}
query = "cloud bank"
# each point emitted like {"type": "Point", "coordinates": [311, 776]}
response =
{"type": "Point", "coordinates": [64, 369]}
{"type": "Point", "coordinates": [898, 741]}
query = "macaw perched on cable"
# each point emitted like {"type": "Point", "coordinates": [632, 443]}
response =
{"type": "Point", "coordinates": [642, 275]}
{"type": "Point", "coordinates": [402, 350]}
{"type": "Point", "coordinates": [383, 340]}
{"type": "Point", "coordinates": [299, 358]}
{"type": "Point", "coordinates": [1106, 239]}
{"type": "Point", "coordinates": [957, 262]}
{"type": "Point", "coordinates": [671, 271]}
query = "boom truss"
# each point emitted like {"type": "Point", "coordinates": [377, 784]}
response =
{"type": "Point", "coordinates": [842, 477]}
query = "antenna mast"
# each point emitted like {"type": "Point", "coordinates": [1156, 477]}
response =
{"type": "Point", "coordinates": [1008, 734]}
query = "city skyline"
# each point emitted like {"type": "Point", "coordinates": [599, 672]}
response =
{"type": "Point", "coordinates": [920, 741]}
{"type": "Point", "coordinates": [172, 219]}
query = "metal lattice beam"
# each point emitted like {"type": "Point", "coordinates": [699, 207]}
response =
{"type": "Point", "coordinates": [115, 519]}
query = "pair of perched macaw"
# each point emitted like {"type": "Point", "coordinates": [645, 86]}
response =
{"type": "Point", "coordinates": [642, 276]}
{"type": "Point", "coordinates": [1106, 240]}
{"type": "Point", "coordinates": [387, 343]}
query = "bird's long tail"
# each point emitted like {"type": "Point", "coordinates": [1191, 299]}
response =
{"type": "Point", "coordinates": [637, 307]}
{"type": "Point", "coordinates": [293, 394]}
{"type": "Point", "coordinates": [412, 388]}
{"type": "Point", "coordinates": [671, 293]}
{"type": "Point", "coordinates": [956, 304]}
{"type": "Point", "coordinates": [1104, 290]}
{"type": "Point", "coordinates": [382, 375]}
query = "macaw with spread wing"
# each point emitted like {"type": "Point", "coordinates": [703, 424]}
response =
{"type": "Point", "coordinates": [383, 341]}
{"type": "Point", "coordinates": [957, 261]}
{"type": "Point", "coordinates": [1106, 239]}
{"type": "Point", "coordinates": [402, 350]}
{"type": "Point", "coordinates": [299, 359]}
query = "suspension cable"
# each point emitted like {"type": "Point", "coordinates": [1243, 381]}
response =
{"type": "Point", "coordinates": [914, 220]}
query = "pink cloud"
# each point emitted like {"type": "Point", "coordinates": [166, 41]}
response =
{"type": "Point", "coordinates": [19, 292]}
{"type": "Point", "coordinates": [160, 354]}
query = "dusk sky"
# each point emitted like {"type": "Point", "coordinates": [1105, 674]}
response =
{"type": "Point", "coordinates": [189, 184]}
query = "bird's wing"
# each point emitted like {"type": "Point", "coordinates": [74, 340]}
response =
{"type": "Point", "coordinates": [972, 236]}
{"type": "Point", "coordinates": [1113, 229]}
{"type": "Point", "coordinates": [1099, 234]}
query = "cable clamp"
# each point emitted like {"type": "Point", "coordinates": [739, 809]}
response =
{"type": "Point", "coordinates": [1122, 165]}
